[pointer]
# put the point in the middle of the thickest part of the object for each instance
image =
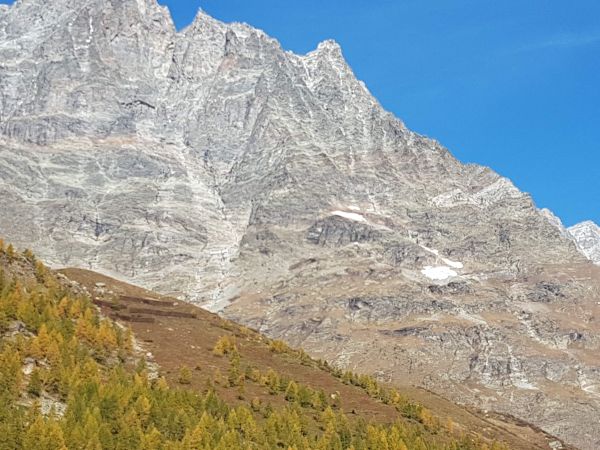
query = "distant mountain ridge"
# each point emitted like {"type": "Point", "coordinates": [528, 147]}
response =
{"type": "Point", "coordinates": [587, 237]}
{"type": "Point", "coordinates": [273, 187]}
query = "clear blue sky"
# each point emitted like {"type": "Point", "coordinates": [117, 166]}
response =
{"type": "Point", "coordinates": [511, 84]}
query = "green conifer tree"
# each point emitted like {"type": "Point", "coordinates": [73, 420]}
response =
{"type": "Point", "coordinates": [34, 386]}
{"type": "Point", "coordinates": [185, 375]}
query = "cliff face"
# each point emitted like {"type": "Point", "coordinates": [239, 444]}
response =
{"type": "Point", "coordinates": [274, 188]}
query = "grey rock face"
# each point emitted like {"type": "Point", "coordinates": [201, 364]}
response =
{"type": "Point", "coordinates": [554, 220]}
{"type": "Point", "coordinates": [587, 237]}
{"type": "Point", "coordinates": [273, 187]}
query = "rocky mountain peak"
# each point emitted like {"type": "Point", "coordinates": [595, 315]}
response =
{"type": "Point", "coordinates": [205, 24]}
{"type": "Point", "coordinates": [272, 187]}
{"type": "Point", "coordinates": [590, 224]}
{"type": "Point", "coordinates": [587, 237]}
{"type": "Point", "coordinates": [328, 57]}
{"type": "Point", "coordinates": [555, 221]}
{"type": "Point", "coordinates": [331, 48]}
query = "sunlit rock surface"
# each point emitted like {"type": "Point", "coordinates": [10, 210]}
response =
{"type": "Point", "coordinates": [272, 187]}
{"type": "Point", "coordinates": [587, 237]}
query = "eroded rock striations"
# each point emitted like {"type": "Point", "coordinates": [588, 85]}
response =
{"type": "Point", "coordinates": [274, 188]}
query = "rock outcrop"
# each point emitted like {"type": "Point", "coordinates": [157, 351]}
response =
{"type": "Point", "coordinates": [212, 164]}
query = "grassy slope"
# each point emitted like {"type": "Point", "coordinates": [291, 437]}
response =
{"type": "Point", "coordinates": [179, 341]}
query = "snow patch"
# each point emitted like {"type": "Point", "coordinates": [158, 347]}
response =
{"type": "Point", "coordinates": [448, 262]}
{"type": "Point", "coordinates": [438, 272]}
{"type": "Point", "coordinates": [350, 216]}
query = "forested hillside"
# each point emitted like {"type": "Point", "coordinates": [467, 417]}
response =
{"type": "Point", "coordinates": [73, 378]}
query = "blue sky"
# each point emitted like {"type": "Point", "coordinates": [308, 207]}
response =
{"type": "Point", "coordinates": [514, 85]}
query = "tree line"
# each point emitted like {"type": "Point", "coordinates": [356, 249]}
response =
{"type": "Point", "coordinates": [71, 379]}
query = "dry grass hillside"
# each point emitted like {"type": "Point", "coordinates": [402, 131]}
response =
{"type": "Point", "coordinates": [178, 336]}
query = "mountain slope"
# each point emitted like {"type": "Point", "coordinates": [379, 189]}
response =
{"type": "Point", "coordinates": [176, 340]}
{"type": "Point", "coordinates": [97, 386]}
{"type": "Point", "coordinates": [272, 187]}
{"type": "Point", "coordinates": [208, 134]}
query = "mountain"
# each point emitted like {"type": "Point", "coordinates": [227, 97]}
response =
{"type": "Point", "coordinates": [140, 370]}
{"type": "Point", "coordinates": [213, 165]}
{"type": "Point", "coordinates": [587, 237]}
{"type": "Point", "coordinates": [555, 220]}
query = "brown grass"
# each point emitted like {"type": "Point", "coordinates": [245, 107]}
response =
{"type": "Point", "coordinates": [179, 334]}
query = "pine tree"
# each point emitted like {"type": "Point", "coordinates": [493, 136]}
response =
{"type": "Point", "coordinates": [89, 435]}
{"type": "Point", "coordinates": [229, 441]}
{"type": "Point", "coordinates": [106, 337]}
{"type": "Point", "coordinates": [41, 271]}
{"type": "Point", "coordinates": [234, 376]}
{"type": "Point", "coordinates": [291, 393]}
{"type": "Point", "coordinates": [53, 353]}
{"type": "Point", "coordinates": [419, 444]}
{"type": "Point", "coordinates": [347, 378]}
{"type": "Point", "coordinates": [35, 383]}
{"type": "Point", "coordinates": [152, 440]}
{"type": "Point", "coordinates": [185, 375]}
{"type": "Point", "coordinates": [272, 381]}
{"type": "Point", "coordinates": [224, 346]}
{"type": "Point", "coordinates": [328, 417]}
{"type": "Point", "coordinates": [256, 404]}
{"type": "Point", "coordinates": [143, 408]}
{"type": "Point", "coordinates": [193, 438]}
{"type": "Point", "coordinates": [10, 252]}
{"type": "Point", "coordinates": [4, 322]}
{"type": "Point", "coordinates": [161, 384]}
{"type": "Point", "coordinates": [247, 425]}
{"type": "Point", "coordinates": [28, 254]}
{"type": "Point", "coordinates": [277, 346]}
{"type": "Point", "coordinates": [44, 435]}
{"type": "Point", "coordinates": [320, 400]}
{"type": "Point", "coordinates": [344, 430]}
{"type": "Point", "coordinates": [426, 418]}
{"type": "Point", "coordinates": [10, 374]}
{"type": "Point", "coordinates": [304, 396]}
